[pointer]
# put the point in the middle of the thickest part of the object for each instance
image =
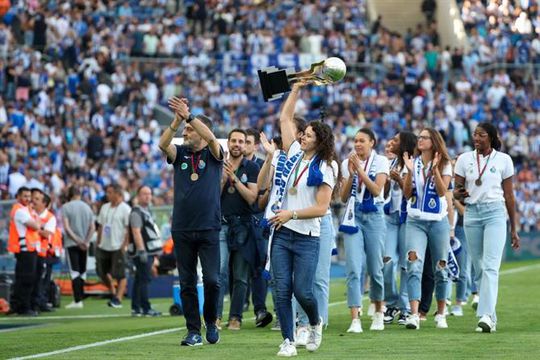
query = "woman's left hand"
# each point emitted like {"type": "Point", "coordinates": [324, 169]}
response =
{"type": "Point", "coordinates": [436, 160]}
{"type": "Point", "coordinates": [515, 240]}
{"type": "Point", "coordinates": [281, 217]}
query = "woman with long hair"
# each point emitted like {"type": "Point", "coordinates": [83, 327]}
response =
{"type": "Point", "coordinates": [395, 256]}
{"type": "Point", "coordinates": [484, 180]}
{"type": "Point", "coordinates": [302, 197]}
{"type": "Point", "coordinates": [428, 177]}
{"type": "Point", "coordinates": [365, 173]}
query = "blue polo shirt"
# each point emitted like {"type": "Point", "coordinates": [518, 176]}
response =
{"type": "Point", "coordinates": [196, 203]}
{"type": "Point", "coordinates": [234, 204]}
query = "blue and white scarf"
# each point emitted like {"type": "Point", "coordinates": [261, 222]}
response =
{"type": "Point", "coordinates": [453, 267]}
{"type": "Point", "coordinates": [425, 203]}
{"type": "Point", "coordinates": [283, 172]}
{"type": "Point", "coordinates": [348, 223]}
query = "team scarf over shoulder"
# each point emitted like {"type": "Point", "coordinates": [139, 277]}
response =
{"type": "Point", "coordinates": [348, 223]}
{"type": "Point", "coordinates": [425, 198]}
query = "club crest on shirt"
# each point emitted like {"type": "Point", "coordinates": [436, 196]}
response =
{"type": "Point", "coordinates": [492, 170]}
{"type": "Point", "coordinates": [432, 185]}
{"type": "Point", "coordinates": [202, 164]}
{"type": "Point", "coordinates": [183, 166]}
{"type": "Point", "coordinates": [243, 178]}
{"type": "Point", "coordinates": [432, 204]}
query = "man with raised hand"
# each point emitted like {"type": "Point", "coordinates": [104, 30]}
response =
{"type": "Point", "coordinates": [196, 221]}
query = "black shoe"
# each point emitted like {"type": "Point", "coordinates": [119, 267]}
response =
{"type": "Point", "coordinates": [28, 313]}
{"type": "Point", "coordinates": [390, 314]}
{"type": "Point", "coordinates": [152, 313]}
{"type": "Point", "coordinates": [263, 318]}
{"type": "Point", "coordinates": [46, 309]}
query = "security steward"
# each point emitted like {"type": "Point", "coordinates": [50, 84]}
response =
{"type": "Point", "coordinates": [24, 242]}
{"type": "Point", "coordinates": [237, 242]}
{"type": "Point", "coordinates": [49, 253]}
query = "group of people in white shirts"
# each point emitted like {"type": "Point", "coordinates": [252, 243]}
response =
{"type": "Point", "coordinates": [397, 205]}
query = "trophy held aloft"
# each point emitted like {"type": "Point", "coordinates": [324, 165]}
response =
{"type": "Point", "coordinates": [276, 82]}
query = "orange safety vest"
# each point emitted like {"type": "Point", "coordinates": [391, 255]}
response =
{"type": "Point", "coordinates": [32, 236]}
{"type": "Point", "coordinates": [51, 246]}
{"type": "Point", "coordinates": [168, 247]}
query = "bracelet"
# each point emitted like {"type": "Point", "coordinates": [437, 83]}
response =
{"type": "Point", "coordinates": [173, 129]}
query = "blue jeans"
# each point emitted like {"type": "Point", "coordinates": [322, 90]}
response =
{"type": "Point", "coordinates": [485, 228]}
{"type": "Point", "coordinates": [464, 263]}
{"type": "Point", "coordinates": [436, 235]}
{"type": "Point", "coordinates": [139, 294]}
{"type": "Point", "coordinates": [240, 275]}
{"type": "Point", "coordinates": [294, 262]}
{"type": "Point", "coordinates": [367, 245]}
{"type": "Point", "coordinates": [396, 261]}
{"type": "Point", "coordinates": [322, 274]}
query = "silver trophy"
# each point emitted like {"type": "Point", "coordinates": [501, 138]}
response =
{"type": "Point", "coordinates": [276, 82]}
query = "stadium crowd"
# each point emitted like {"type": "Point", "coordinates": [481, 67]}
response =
{"type": "Point", "coordinates": [79, 83]}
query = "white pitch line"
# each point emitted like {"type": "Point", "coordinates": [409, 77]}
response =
{"type": "Point", "coordinates": [99, 343]}
{"type": "Point", "coordinates": [166, 331]}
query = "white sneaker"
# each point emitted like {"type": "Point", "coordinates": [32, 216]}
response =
{"type": "Point", "coordinates": [315, 336]}
{"type": "Point", "coordinates": [378, 322]}
{"type": "Point", "coordinates": [440, 322]}
{"type": "Point", "coordinates": [457, 310]}
{"type": "Point", "coordinates": [75, 305]}
{"type": "Point", "coordinates": [478, 329]}
{"type": "Point", "coordinates": [287, 349]}
{"type": "Point", "coordinates": [413, 322]}
{"type": "Point", "coordinates": [474, 302]}
{"type": "Point", "coordinates": [486, 324]}
{"type": "Point", "coordinates": [356, 327]}
{"type": "Point", "coordinates": [302, 335]}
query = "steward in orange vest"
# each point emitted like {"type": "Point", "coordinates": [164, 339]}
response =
{"type": "Point", "coordinates": [24, 242]}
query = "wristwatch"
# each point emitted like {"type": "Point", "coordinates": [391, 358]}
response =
{"type": "Point", "coordinates": [190, 118]}
{"type": "Point", "coordinates": [294, 215]}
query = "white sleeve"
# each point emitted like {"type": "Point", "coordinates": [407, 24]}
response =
{"type": "Point", "coordinates": [328, 175]}
{"type": "Point", "coordinates": [459, 168]}
{"type": "Point", "coordinates": [294, 148]}
{"type": "Point", "coordinates": [345, 169]}
{"type": "Point", "coordinates": [51, 225]}
{"type": "Point", "coordinates": [100, 219]}
{"type": "Point", "coordinates": [447, 170]}
{"type": "Point", "coordinates": [508, 167]}
{"type": "Point", "coordinates": [383, 165]}
{"type": "Point", "coordinates": [127, 212]}
{"type": "Point", "coordinates": [22, 216]}
{"type": "Point", "coordinates": [275, 157]}
{"type": "Point", "coordinates": [335, 170]}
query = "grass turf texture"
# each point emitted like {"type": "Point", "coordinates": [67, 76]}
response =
{"type": "Point", "coordinates": [517, 336]}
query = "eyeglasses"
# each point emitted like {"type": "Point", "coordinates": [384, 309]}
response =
{"type": "Point", "coordinates": [422, 137]}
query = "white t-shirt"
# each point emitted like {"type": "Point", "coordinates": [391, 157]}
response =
{"type": "Point", "coordinates": [335, 172]}
{"type": "Point", "coordinates": [114, 222]}
{"type": "Point", "coordinates": [306, 195]}
{"type": "Point", "coordinates": [380, 165]}
{"type": "Point", "coordinates": [21, 217]}
{"type": "Point", "coordinates": [49, 225]}
{"type": "Point", "coordinates": [499, 168]}
{"type": "Point", "coordinates": [396, 193]}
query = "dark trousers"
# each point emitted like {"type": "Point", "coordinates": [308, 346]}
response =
{"type": "Point", "coordinates": [37, 292]}
{"type": "Point", "coordinates": [428, 284]}
{"type": "Point", "coordinates": [25, 275]}
{"type": "Point", "coordinates": [259, 288]}
{"type": "Point", "coordinates": [188, 245]}
{"type": "Point", "coordinates": [77, 266]}
{"type": "Point", "coordinates": [139, 295]}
